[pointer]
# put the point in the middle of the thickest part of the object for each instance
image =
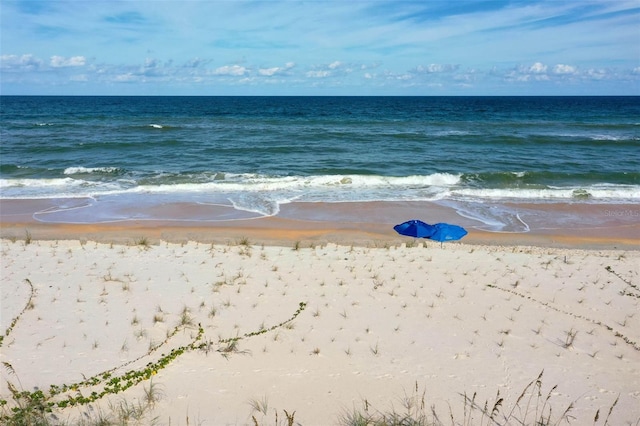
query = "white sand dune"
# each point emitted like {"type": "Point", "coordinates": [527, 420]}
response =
{"type": "Point", "coordinates": [378, 322]}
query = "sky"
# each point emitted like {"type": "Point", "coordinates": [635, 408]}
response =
{"type": "Point", "coordinates": [320, 47]}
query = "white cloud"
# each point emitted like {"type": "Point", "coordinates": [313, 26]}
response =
{"type": "Point", "coordinates": [370, 66]}
{"type": "Point", "coordinates": [328, 43]}
{"type": "Point", "coordinates": [318, 74]}
{"type": "Point", "coordinates": [436, 68]}
{"type": "Point", "coordinates": [333, 69]}
{"type": "Point", "coordinates": [518, 74]}
{"type": "Point", "coordinates": [196, 63]}
{"type": "Point", "coordinates": [61, 61]}
{"type": "Point", "coordinates": [269, 71]}
{"type": "Point", "coordinates": [538, 68]}
{"type": "Point", "coordinates": [597, 74]}
{"type": "Point", "coordinates": [389, 75]}
{"type": "Point", "coordinates": [468, 76]}
{"type": "Point", "coordinates": [124, 78]}
{"type": "Point", "coordinates": [276, 70]}
{"type": "Point", "coordinates": [535, 72]}
{"type": "Point", "coordinates": [236, 70]}
{"type": "Point", "coordinates": [24, 62]}
{"type": "Point", "coordinates": [564, 72]}
{"type": "Point", "coordinates": [564, 69]}
{"type": "Point", "coordinates": [151, 63]}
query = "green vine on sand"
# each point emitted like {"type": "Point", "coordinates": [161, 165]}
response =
{"type": "Point", "coordinates": [27, 306]}
{"type": "Point", "coordinates": [41, 402]}
{"type": "Point", "coordinates": [617, 334]}
{"type": "Point", "coordinates": [301, 307]}
{"type": "Point", "coordinates": [108, 373]}
{"type": "Point", "coordinates": [112, 385]}
{"type": "Point", "coordinates": [116, 384]}
{"type": "Point", "coordinates": [627, 282]}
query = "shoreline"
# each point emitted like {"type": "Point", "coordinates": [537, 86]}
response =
{"type": "Point", "coordinates": [154, 233]}
{"type": "Point", "coordinates": [366, 223]}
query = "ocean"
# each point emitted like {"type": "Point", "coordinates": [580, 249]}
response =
{"type": "Point", "coordinates": [255, 154]}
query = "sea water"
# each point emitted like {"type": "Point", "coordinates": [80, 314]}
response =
{"type": "Point", "coordinates": [257, 153]}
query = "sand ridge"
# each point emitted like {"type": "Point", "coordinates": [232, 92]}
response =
{"type": "Point", "coordinates": [378, 322]}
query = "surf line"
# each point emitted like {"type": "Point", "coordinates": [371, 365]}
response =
{"type": "Point", "coordinates": [526, 226]}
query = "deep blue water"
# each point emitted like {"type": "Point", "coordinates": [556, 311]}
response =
{"type": "Point", "coordinates": [258, 152]}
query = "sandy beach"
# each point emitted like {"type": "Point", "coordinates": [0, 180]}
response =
{"type": "Point", "coordinates": [323, 319]}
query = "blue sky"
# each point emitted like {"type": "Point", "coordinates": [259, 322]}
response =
{"type": "Point", "coordinates": [359, 47]}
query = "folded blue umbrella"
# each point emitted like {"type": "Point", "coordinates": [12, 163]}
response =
{"type": "Point", "coordinates": [415, 228]}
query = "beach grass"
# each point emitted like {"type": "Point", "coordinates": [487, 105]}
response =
{"type": "Point", "coordinates": [363, 312]}
{"type": "Point", "coordinates": [533, 406]}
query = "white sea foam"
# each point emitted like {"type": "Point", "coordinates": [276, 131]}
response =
{"type": "Point", "coordinates": [255, 203]}
{"type": "Point", "coordinates": [250, 191]}
{"type": "Point", "coordinates": [253, 183]}
{"type": "Point", "coordinates": [453, 133]}
{"type": "Point", "coordinates": [625, 192]}
{"type": "Point", "coordinates": [79, 170]}
{"type": "Point", "coordinates": [55, 188]}
{"type": "Point", "coordinates": [352, 181]}
{"type": "Point", "coordinates": [35, 183]}
{"type": "Point", "coordinates": [156, 126]}
{"type": "Point", "coordinates": [609, 138]}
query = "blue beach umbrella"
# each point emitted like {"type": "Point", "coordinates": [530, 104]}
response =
{"type": "Point", "coordinates": [446, 232]}
{"type": "Point", "coordinates": [415, 228]}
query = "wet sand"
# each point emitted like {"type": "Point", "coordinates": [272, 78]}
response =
{"type": "Point", "coordinates": [552, 224]}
